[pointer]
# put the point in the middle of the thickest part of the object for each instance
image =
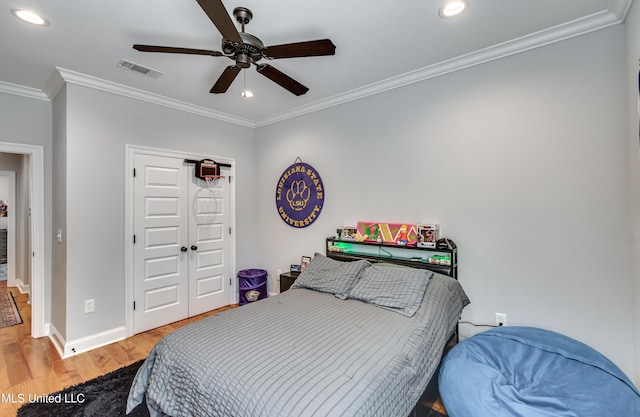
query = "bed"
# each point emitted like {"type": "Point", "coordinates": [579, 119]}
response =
{"type": "Point", "coordinates": [348, 339]}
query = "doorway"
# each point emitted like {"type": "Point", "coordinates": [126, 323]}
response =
{"type": "Point", "coordinates": [34, 156]}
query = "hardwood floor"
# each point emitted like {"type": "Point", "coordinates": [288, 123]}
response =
{"type": "Point", "coordinates": [33, 366]}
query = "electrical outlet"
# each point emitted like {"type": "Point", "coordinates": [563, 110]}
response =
{"type": "Point", "coordinates": [89, 306]}
{"type": "Point", "coordinates": [501, 319]}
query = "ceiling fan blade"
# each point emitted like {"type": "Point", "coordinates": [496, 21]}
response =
{"type": "Point", "coordinates": [228, 75]}
{"type": "Point", "coordinates": [282, 79]}
{"type": "Point", "coordinates": [172, 50]}
{"type": "Point", "coordinates": [219, 16]}
{"type": "Point", "coordinates": [301, 49]}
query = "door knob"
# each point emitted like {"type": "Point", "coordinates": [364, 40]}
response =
{"type": "Point", "coordinates": [194, 247]}
{"type": "Point", "coordinates": [183, 249]}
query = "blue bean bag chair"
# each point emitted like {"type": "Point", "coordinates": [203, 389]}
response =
{"type": "Point", "coordinates": [530, 372]}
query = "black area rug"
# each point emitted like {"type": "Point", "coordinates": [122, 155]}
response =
{"type": "Point", "coordinates": [106, 396]}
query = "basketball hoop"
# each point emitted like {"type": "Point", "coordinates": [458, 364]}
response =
{"type": "Point", "coordinates": [212, 180]}
{"type": "Point", "coordinates": [208, 170]}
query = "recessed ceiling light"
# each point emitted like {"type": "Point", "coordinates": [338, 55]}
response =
{"type": "Point", "coordinates": [30, 17]}
{"type": "Point", "coordinates": [452, 8]}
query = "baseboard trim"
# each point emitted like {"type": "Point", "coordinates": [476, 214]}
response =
{"type": "Point", "coordinates": [70, 348]}
{"type": "Point", "coordinates": [23, 288]}
{"type": "Point", "coordinates": [56, 339]}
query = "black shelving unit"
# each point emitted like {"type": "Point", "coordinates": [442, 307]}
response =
{"type": "Point", "coordinates": [413, 256]}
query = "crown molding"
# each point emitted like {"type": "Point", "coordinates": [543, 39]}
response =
{"type": "Point", "coordinates": [582, 26]}
{"type": "Point", "coordinates": [55, 84]}
{"type": "Point", "coordinates": [77, 78]}
{"type": "Point", "coordinates": [620, 8]}
{"type": "Point", "coordinates": [23, 91]}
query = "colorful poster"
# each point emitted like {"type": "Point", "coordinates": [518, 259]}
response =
{"type": "Point", "coordinates": [390, 233]}
{"type": "Point", "coordinates": [299, 195]}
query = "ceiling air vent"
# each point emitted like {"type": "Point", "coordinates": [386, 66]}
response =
{"type": "Point", "coordinates": [132, 66]}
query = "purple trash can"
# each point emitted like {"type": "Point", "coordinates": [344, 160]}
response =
{"type": "Point", "coordinates": [252, 285]}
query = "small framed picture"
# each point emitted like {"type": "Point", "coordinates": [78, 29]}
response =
{"type": "Point", "coordinates": [295, 268]}
{"type": "Point", "coordinates": [304, 262]}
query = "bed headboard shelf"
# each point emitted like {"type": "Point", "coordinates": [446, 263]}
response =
{"type": "Point", "coordinates": [412, 256]}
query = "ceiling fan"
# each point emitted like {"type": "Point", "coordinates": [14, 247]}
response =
{"type": "Point", "coordinates": [246, 49]}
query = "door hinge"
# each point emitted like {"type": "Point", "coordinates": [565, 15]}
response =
{"type": "Point", "coordinates": [229, 281]}
{"type": "Point", "coordinates": [134, 172]}
{"type": "Point", "coordinates": [134, 239]}
{"type": "Point", "coordinates": [229, 229]}
{"type": "Point", "coordinates": [230, 177]}
{"type": "Point", "coordinates": [134, 305]}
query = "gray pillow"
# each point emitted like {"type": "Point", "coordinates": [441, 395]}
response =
{"type": "Point", "coordinates": [327, 275]}
{"type": "Point", "coordinates": [391, 287]}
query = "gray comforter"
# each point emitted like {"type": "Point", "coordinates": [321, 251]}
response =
{"type": "Point", "coordinates": [300, 354]}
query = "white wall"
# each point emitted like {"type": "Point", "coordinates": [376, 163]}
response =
{"type": "Point", "coordinates": [523, 162]}
{"type": "Point", "coordinates": [632, 25]}
{"type": "Point", "coordinates": [98, 126]}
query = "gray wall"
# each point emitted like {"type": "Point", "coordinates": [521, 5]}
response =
{"type": "Point", "coordinates": [98, 126]}
{"type": "Point", "coordinates": [28, 121]}
{"type": "Point", "coordinates": [522, 161]}
{"type": "Point", "coordinates": [59, 214]}
{"type": "Point", "coordinates": [633, 59]}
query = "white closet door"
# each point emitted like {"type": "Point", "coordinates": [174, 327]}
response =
{"type": "Point", "coordinates": [161, 271]}
{"type": "Point", "coordinates": [209, 255]}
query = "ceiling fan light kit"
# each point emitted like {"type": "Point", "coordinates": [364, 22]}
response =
{"type": "Point", "coordinates": [246, 49]}
{"type": "Point", "coordinates": [245, 93]}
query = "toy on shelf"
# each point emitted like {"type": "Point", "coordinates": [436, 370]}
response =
{"type": "Point", "coordinates": [349, 233]}
{"type": "Point", "coordinates": [440, 260]}
{"type": "Point", "coordinates": [403, 235]}
{"type": "Point", "coordinates": [428, 235]}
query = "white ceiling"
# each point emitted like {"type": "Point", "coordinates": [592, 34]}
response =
{"type": "Point", "coordinates": [380, 45]}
